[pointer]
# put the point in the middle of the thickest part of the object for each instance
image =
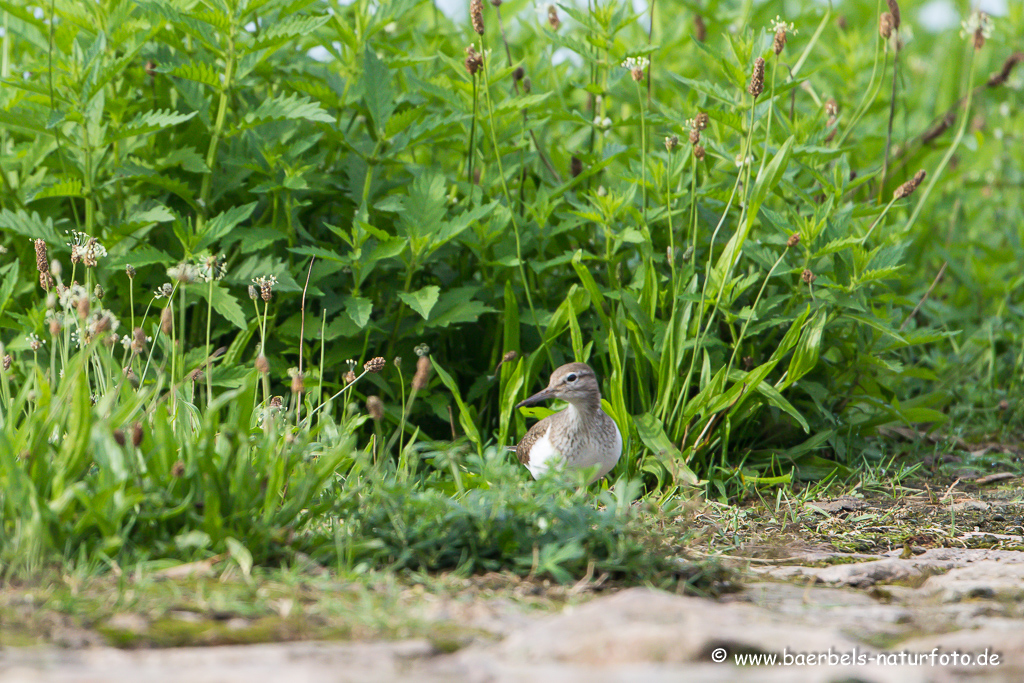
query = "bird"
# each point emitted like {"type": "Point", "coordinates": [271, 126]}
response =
{"type": "Point", "coordinates": [580, 437]}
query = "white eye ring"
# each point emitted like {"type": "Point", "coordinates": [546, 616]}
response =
{"type": "Point", "coordinates": [571, 377]}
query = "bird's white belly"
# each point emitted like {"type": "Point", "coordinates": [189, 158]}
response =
{"type": "Point", "coordinates": [544, 455]}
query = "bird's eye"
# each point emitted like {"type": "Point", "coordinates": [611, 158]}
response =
{"type": "Point", "coordinates": [571, 377]}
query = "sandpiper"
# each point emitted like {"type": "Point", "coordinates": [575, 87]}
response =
{"type": "Point", "coordinates": [581, 436]}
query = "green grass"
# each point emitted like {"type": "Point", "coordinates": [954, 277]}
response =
{"type": "Point", "coordinates": [758, 298]}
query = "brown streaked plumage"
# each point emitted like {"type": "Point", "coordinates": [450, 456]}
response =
{"type": "Point", "coordinates": [580, 436]}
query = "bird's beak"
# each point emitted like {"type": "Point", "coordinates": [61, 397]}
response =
{"type": "Point", "coordinates": [540, 396]}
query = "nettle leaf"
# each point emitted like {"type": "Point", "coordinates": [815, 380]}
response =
{"type": "Point", "coordinates": [31, 226]}
{"type": "Point", "coordinates": [223, 302]}
{"type": "Point", "coordinates": [423, 210]}
{"type": "Point", "coordinates": [359, 309]}
{"type": "Point", "coordinates": [200, 72]}
{"type": "Point", "coordinates": [377, 90]}
{"type": "Point", "coordinates": [287, 29]}
{"type": "Point", "coordinates": [282, 108]}
{"type": "Point", "coordinates": [146, 123]}
{"type": "Point", "coordinates": [221, 224]}
{"type": "Point", "coordinates": [65, 188]}
{"type": "Point", "coordinates": [422, 300]}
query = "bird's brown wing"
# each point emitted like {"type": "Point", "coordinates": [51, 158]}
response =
{"type": "Point", "coordinates": [535, 433]}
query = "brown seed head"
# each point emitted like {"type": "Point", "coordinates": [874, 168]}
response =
{"type": "Point", "coordinates": [756, 86]}
{"type": "Point", "coordinates": [671, 142]}
{"type": "Point", "coordinates": [694, 136]}
{"type": "Point", "coordinates": [474, 60]}
{"type": "Point", "coordinates": [575, 166]}
{"type": "Point", "coordinates": [793, 240]}
{"type": "Point", "coordinates": [808, 277]}
{"type": "Point", "coordinates": [46, 281]}
{"type": "Point", "coordinates": [700, 31]}
{"type": "Point", "coordinates": [98, 291]}
{"type": "Point", "coordinates": [919, 177]}
{"type": "Point", "coordinates": [89, 253]}
{"type": "Point", "coordinates": [637, 74]}
{"type": "Point", "coordinates": [1001, 76]}
{"type": "Point", "coordinates": [178, 469]}
{"type": "Point", "coordinates": [119, 437]}
{"type": "Point", "coordinates": [350, 377]}
{"type": "Point", "coordinates": [422, 376]}
{"type": "Point", "coordinates": [1004, 405]}
{"type": "Point", "coordinates": [553, 19]}
{"type": "Point", "coordinates": [138, 341]}
{"type": "Point", "coordinates": [7, 362]}
{"type": "Point", "coordinates": [885, 25]}
{"type": "Point", "coordinates": [83, 307]}
{"type": "Point", "coordinates": [375, 364]}
{"type": "Point", "coordinates": [904, 190]}
{"type": "Point", "coordinates": [831, 107]}
{"type": "Point", "coordinates": [298, 385]}
{"type": "Point", "coordinates": [137, 434]}
{"type": "Point", "coordinates": [518, 74]}
{"type": "Point", "coordinates": [130, 269]}
{"type": "Point", "coordinates": [375, 407]}
{"type": "Point", "coordinates": [701, 120]}
{"type": "Point", "coordinates": [55, 327]}
{"type": "Point", "coordinates": [979, 39]}
{"type": "Point", "coordinates": [779, 42]}
{"type": "Point", "coordinates": [166, 320]}
{"type": "Point", "coordinates": [276, 402]}
{"type": "Point", "coordinates": [262, 364]}
{"type": "Point", "coordinates": [894, 9]}
{"type": "Point", "coordinates": [698, 151]}
{"type": "Point", "coordinates": [267, 291]}
{"type": "Point", "coordinates": [476, 13]}
{"type": "Point", "coordinates": [151, 68]}
{"type": "Point", "coordinates": [42, 262]}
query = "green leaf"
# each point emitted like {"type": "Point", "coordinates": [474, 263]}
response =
{"type": "Point", "coordinates": [805, 357]}
{"type": "Point", "coordinates": [377, 90]}
{"type": "Point", "coordinates": [359, 308]}
{"type": "Point", "coordinates": [422, 300]}
{"type": "Point", "coordinates": [465, 417]}
{"type": "Point", "coordinates": [145, 123]}
{"type": "Point", "coordinates": [652, 433]}
{"type": "Point", "coordinates": [224, 303]}
{"type": "Point", "coordinates": [200, 72]}
{"type": "Point", "coordinates": [282, 108]}
{"type": "Point", "coordinates": [223, 223]}
{"type": "Point", "coordinates": [31, 226]}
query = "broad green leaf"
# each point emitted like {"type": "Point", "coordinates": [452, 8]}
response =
{"type": "Point", "coordinates": [359, 308]}
{"type": "Point", "coordinates": [377, 90]}
{"type": "Point", "coordinates": [223, 302]}
{"type": "Point", "coordinates": [652, 434]}
{"type": "Point", "coordinates": [422, 300]}
{"type": "Point", "coordinates": [223, 223]}
{"type": "Point", "coordinates": [805, 357]}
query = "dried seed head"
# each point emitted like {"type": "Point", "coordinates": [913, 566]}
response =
{"type": "Point", "coordinates": [375, 364]}
{"type": "Point", "coordinates": [422, 376]}
{"type": "Point", "coordinates": [46, 281]}
{"type": "Point", "coordinates": [267, 291]}
{"type": "Point", "coordinates": [253, 293]}
{"type": "Point", "coordinates": [375, 407]}
{"type": "Point", "coordinates": [298, 385]}
{"type": "Point", "coordinates": [262, 364]}
{"type": "Point", "coordinates": [350, 377]}
{"type": "Point", "coordinates": [55, 327]}
{"type": "Point", "coordinates": [700, 31]}
{"type": "Point", "coordinates": [83, 307]}
{"type": "Point", "coordinates": [894, 9]}
{"type": "Point", "coordinates": [694, 136]}
{"type": "Point", "coordinates": [98, 291]}
{"type": "Point", "coordinates": [474, 60]}
{"type": "Point", "coordinates": [166, 320]}
{"type": "Point", "coordinates": [780, 41]}
{"type": "Point", "coordinates": [553, 19]}
{"type": "Point", "coordinates": [575, 166]}
{"type": "Point", "coordinates": [7, 362]}
{"type": "Point", "coordinates": [42, 262]}
{"type": "Point", "coordinates": [137, 434]}
{"type": "Point", "coordinates": [1004, 405]}
{"type": "Point", "coordinates": [637, 74]}
{"type": "Point", "coordinates": [919, 177]}
{"type": "Point", "coordinates": [831, 107]}
{"type": "Point", "coordinates": [178, 469]}
{"type": "Point", "coordinates": [119, 437]}
{"type": "Point", "coordinates": [138, 341]}
{"type": "Point", "coordinates": [904, 190]}
{"type": "Point", "coordinates": [518, 74]}
{"type": "Point", "coordinates": [496, 3]}
{"type": "Point", "coordinates": [698, 152]}
{"type": "Point", "coordinates": [1001, 76]}
{"type": "Point", "coordinates": [130, 269]}
{"type": "Point", "coordinates": [756, 86]}
{"type": "Point", "coordinates": [701, 120]}
{"type": "Point", "coordinates": [808, 277]}
{"type": "Point", "coordinates": [671, 142]}
{"type": "Point", "coordinates": [476, 13]}
{"type": "Point", "coordinates": [90, 253]}
{"type": "Point", "coordinates": [793, 240]}
{"type": "Point", "coordinates": [886, 23]}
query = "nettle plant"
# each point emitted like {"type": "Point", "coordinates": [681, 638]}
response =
{"type": "Point", "coordinates": [693, 210]}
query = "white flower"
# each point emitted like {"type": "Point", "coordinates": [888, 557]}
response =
{"type": "Point", "coordinates": [779, 25]}
{"type": "Point", "coordinates": [977, 21]}
{"type": "Point", "coordinates": [631, 63]}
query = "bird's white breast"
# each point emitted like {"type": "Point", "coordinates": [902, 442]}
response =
{"type": "Point", "coordinates": [543, 455]}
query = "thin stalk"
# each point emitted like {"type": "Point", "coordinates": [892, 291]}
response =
{"type": "Point", "coordinates": [643, 153]}
{"type": "Point", "coordinates": [888, 134]}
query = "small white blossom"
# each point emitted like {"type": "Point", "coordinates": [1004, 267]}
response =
{"type": "Point", "coordinates": [631, 63]}
{"type": "Point", "coordinates": [779, 25]}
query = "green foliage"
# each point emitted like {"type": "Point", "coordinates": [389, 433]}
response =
{"type": "Point", "coordinates": [753, 302]}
